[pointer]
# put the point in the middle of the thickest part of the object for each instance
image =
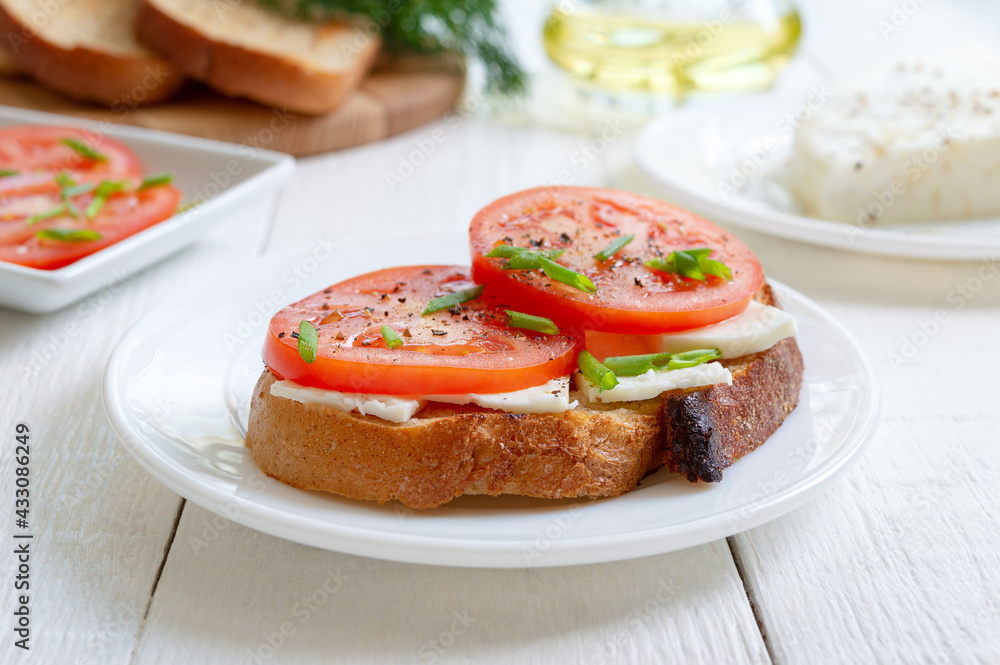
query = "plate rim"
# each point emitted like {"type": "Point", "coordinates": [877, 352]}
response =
{"type": "Point", "coordinates": [811, 230]}
{"type": "Point", "coordinates": [424, 549]}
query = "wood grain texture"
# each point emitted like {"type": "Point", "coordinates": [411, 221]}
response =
{"type": "Point", "coordinates": [230, 595]}
{"type": "Point", "coordinates": [100, 522]}
{"type": "Point", "coordinates": [396, 97]}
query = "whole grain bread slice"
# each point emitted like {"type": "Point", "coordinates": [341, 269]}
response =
{"type": "Point", "coordinates": [594, 450]}
{"type": "Point", "coordinates": [244, 50]}
{"type": "Point", "coordinates": [86, 49]}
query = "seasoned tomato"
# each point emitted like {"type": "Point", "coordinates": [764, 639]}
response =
{"type": "Point", "coordinates": [464, 349]}
{"type": "Point", "coordinates": [28, 149]}
{"type": "Point", "coordinates": [122, 215]}
{"type": "Point", "coordinates": [630, 297]}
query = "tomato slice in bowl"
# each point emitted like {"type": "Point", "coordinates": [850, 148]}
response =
{"type": "Point", "coordinates": [121, 216]}
{"type": "Point", "coordinates": [630, 297]}
{"type": "Point", "coordinates": [463, 349]}
{"type": "Point", "coordinates": [27, 149]}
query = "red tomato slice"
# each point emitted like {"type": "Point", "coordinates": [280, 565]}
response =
{"type": "Point", "coordinates": [630, 298]}
{"type": "Point", "coordinates": [30, 148]}
{"type": "Point", "coordinates": [121, 216]}
{"type": "Point", "coordinates": [453, 351]}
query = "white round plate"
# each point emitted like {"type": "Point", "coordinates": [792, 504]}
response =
{"type": "Point", "coordinates": [178, 386]}
{"type": "Point", "coordinates": [700, 157]}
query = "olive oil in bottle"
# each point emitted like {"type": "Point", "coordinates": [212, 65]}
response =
{"type": "Point", "coordinates": [659, 48]}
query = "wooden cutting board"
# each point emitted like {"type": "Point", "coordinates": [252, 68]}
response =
{"type": "Point", "coordinates": [396, 97]}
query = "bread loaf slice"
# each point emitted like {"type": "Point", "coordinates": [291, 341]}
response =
{"type": "Point", "coordinates": [594, 450]}
{"type": "Point", "coordinates": [86, 49]}
{"type": "Point", "coordinates": [243, 50]}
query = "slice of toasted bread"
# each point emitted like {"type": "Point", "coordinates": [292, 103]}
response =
{"type": "Point", "coordinates": [594, 450]}
{"type": "Point", "coordinates": [86, 49]}
{"type": "Point", "coordinates": [243, 50]}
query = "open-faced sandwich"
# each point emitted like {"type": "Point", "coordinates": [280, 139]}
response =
{"type": "Point", "coordinates": [598, 336]}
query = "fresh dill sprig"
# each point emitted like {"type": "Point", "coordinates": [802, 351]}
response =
{"type": "Point", "coordinates": [471, 27]}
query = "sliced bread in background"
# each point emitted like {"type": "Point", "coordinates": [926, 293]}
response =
{"type": "Point", "coordinates": [86, 49]}
{"type": "Point", "coordinates": [243, 50]}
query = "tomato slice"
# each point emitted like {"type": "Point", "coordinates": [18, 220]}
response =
{"type": "Point", "coordinates": [121, 215]}
{"type": "Point", "coordinates": [28, 149]}
{"type": "Point", "coordinates": [630, 298]}
{"type": "Point", "coordinates": [461, 350]}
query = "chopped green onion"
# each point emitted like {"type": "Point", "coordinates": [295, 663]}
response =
{"type": "Point", "coordinates": [84, 150]}
{"type": "Point", "coordinates": [64, 180]}
{"type": "Point", "coordinates": [522, 258]}
{"type": "Point", "coordinates": [530, 322]}
{"type": "Point", "coordinates": [308, 341]}
{"type": "Point", "coordinates": [51, 212]}
{"type": "Point", "coordinates": [156, 180]}
{"type": "Point", "coordinates": [529, 260]}
{"type": "Point", "coordinates": [692, 264]}
{"type": "Point", "coordinates": [504, 252]}
{"type": "Point", "coordinates": [392, 339]}
{"type": "Point", "coordinates": [609, 252]}
{"type": "Point", "coordinates": [636, 365]}
{"type": "Point", "coordinates": [76, 190]}
{"type": "Point", "coordinates": [69, 235]}
{"type": "Point", "coordinates": [4, 173]}
{"type": "Point", "coordinates": [452, 299]}
{"type": "Point", "coordinates": [565, 275]}
{"type": "Point", "coordinates": [104, 190]}
{"type": "Point", "coordinates": [596, 372]}
{"type": "Point", "coordinates": [693, 358]}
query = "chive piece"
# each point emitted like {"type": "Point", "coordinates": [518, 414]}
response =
{"type": "Point", "coordinates": [692, 264]}
{"type": "Point", "coordinates": [4, 173]}
{"type": "Point", "coordinates": [565, 275]}
{"type": "Point", "coordinates": [636, 365]}
{"type": "Point", "coordinates": [308, 341]}
{"type": "Point", "coordinates": [528, 259]}
{"type": "Point", "coordinates": [596, 372]}
{"type": "Point", "coordinates": [609, 252]}
{"type": "Point", "coordinates": [76, 190]}
{"type": "Point", "coordinates": [531, 322]}
{"type": "Point", "coordinates": [64, 180]}
{"type": "Point", "coordinates": [693, 358]}
{"type": "Point", "coordinates": [392, 340]}
{"type": "Point", "coordinates": [69, 235]}
{"type": "Point", "coordinates": [84, 150]}
{"type": "Point", "coordinates": [504, 252]}
{"type": "Point", "coordinates": [104, 190]}
{"type": "Point", "coordinates": [156, 180]}
{"type": "Point", "coordinates": [51, 212]}
{"type": "Point", "coordinates": [452, 299]}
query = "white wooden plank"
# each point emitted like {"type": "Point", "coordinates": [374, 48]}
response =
{"type": "Point", "coordinates": [229, 600]}
{"type": "Point", "coordinates": [100, 522]}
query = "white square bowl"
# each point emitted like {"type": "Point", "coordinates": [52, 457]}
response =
{"type": "Point", "coordinates": [225, 175]}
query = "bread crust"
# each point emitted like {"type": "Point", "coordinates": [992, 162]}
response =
{"type": "Point", "coordinates": [595, 450]}
{"type": "Point", "coordinates": [240, 72]}
{"type": "Point", "coordinates": [108, 78]}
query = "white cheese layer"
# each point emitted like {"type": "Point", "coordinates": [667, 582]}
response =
{"type": "Point", "coordinates": [908, 143]}
{"type": "Point", "coordinates": [393, 408]}
{"type": "Point", "coordinates": [551, 397]}
{"type": "Point", "coordinates": [757, 328]}
{"type": "Point", "coordinates": [652, 383]}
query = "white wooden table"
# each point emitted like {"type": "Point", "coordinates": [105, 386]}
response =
{"type": "Point", "coordinates": [899, 562]}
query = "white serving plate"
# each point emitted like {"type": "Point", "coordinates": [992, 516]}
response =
{"type": "Point", "coordinates": [177, 390]}
{"type": "Point", "coordinates": [690, 152]}
{"type": "Point", "coordinates": [226, 175]}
